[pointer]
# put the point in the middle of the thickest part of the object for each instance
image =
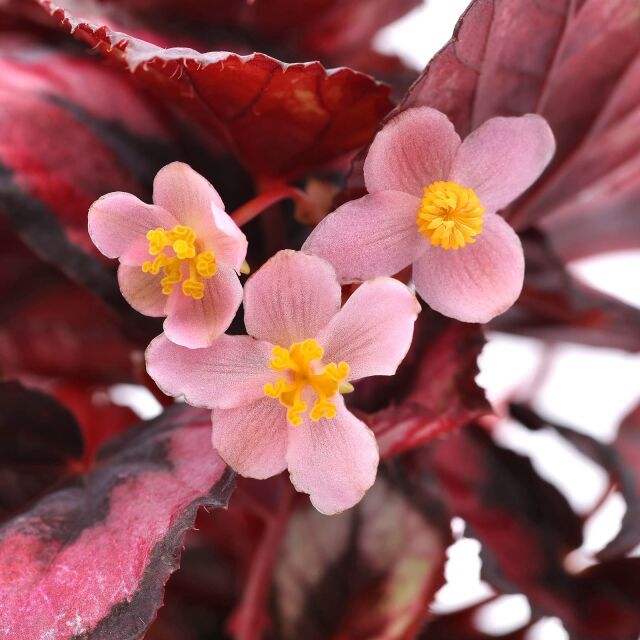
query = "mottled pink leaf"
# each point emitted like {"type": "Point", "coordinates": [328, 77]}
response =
{"type": "Point", "coordinates": [90, 560]}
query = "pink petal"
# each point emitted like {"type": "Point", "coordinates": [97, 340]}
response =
{"type": "Point", "coordinates": [195, 203]}
{"type": "Point", "coordinates": [373, 330]}
{"type": "Point", "coordinates": [197, 323]}
{"type": "Point", "coordinates": [334, 461]}
{"type": "Point", "coordinates": [503, 157]}
{"type": "Point", "coordinates": [376, 235]}
{"type": "Point", "coordinates": [119, 220]}
{"type": "Point", "coordinates": [185, 193]}
{"type": "Point", "coordinates": [229, 373]}
{"type": "Point", "coordinates": [412, 150]}
{"type": "Point", "coordinates": [252, 439]}
{"type": "Point", "coordinates": [142, 290]}
{"type": "Point", "coordinates": [226, 240]}
{"type": "Point", "coordinates": [475, 283]}
{"type": "Point", "coordinates": [290, 298]}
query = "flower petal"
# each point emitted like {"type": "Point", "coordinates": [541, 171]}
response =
{"type": "Point", "coordinates": [142, 291]}
{"type": "Point", "coordinates": [290, 298]}
{"type": "Point", "coordinates": [373, 330]}
{"type": "Point", "coordinates": [475, 283]}
{"type": "Point", "coordinates": [119, 220]}
{"type": "Point", "coordinates": [503, 157]}
{"type": "Point", "coordinates": [186, 194]}
{"type": "Point", "coordinates": [334, 461]}
{"type": "Point", "coordinates": [226, 240]}
{"type": "Point", "coordinates": [197, 323]}
{"type": "Point", "coordinates": [375, 235]}
{"type": "Point", "coordinates": [252, 439]}
{"type": "Point", "coordinates": [229, 373]}
{"type": "Point", "coordinates": [414, 149]}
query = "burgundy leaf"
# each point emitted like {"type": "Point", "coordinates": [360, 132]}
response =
{"type": "Point", "coordinates": [554, 305]}
{"type": "Point", "coordinates": [98, 417]}
{"type": "Point", "coordinates": [359, 574]}
{"type": "Point", "coordinates": [461, 626]}
{"type": "Point", "coordinates": [280, 120]}
{"type": "Point", "coordinates": [332, 31]}
{"type": "Point", "coordinates": [91, 559]}
{"type": "Point", "coordinates": [434, 390]}
{"type": "Point", "coordinates": [527, 528]}
{"type": "Point", "coordinates": [63, 147]}
{"type": "Point", "coordinates": [627, 447]}
{"type": "Point", "coordinates": [39, 442]}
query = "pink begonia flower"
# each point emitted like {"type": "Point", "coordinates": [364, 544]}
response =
{"type": "Point", "coordinates": [179, 256]}
{"type": "Point", "coordinates": [432, 204]}
{"type": "Point", "coordinates": [276, 394]}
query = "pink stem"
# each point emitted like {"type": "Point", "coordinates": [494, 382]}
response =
{"type": "Point", "coordinates": [249, 618]}
{"type": "Point", "coordinates": [249, 210]}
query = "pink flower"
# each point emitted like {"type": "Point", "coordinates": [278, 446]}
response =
{"type": "Point", "coordinates": [276, 396]}
{"type": "Point", "coordinates": [179, 257]}
{"type": "Point", "coordinates": [432, 204]}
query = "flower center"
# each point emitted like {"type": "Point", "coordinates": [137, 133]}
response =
{"type": "Point", "coordinates": [450, 215]}
{"type": "Point", "coordinates": [181, 242]}
{"type": "Point", "coordinates": [325, 381]}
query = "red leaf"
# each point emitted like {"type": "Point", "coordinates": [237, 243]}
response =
{"type": "Point", "coordinates": [280, 120]}
{"type": "Point", "coordinates": [91, 559]}
{"type": "Point", "coordinates": [627, 447]}
{"type": "Point", "coordinates": [359, 574]}
{"type": "Point", "coordinates": [434, 390]}
{"type": "Point", "coordinates": [527, 528]}
{"type": "Point", "coordinates": [556, 306]}
{"type": "Point", "coordinates": [62, 146]}
{"type": "Point", "coordinates": [460, 625]}
{"type": "Point", "coordinates": [99, 418]}
{"type": "Point", "coordinates": [334, 32]}
{"type": "Point", "coordinates": [39, 442]}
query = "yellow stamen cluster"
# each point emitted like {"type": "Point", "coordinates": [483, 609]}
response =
{"type": "Point", "coordinates": [450, 215]}
{"type": "Point", "coordinates": [183, 242]}
{"type": "Point", "coordinates": [301, 373]}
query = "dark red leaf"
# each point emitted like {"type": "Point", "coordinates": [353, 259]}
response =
{"type": "Point", "coordinates": [368, 573]}
{"type": "Point", "coordinates": [527, 528]}
{"type": "Point", "coordinates": [62, 146]}
{"type": "Point", "coordinates": [434, 390]}
{"type": "Point", "coordinates": [460, 625]}
{"type": "Point", "coordinates": [280, 120]}
{"type": "Point", "coordinates": [98, 417]}
{"type": "Point", "coordinates": [91, 559]}
{"type": "Point", "coordinates": [556, 306]}
{"type": "Point", "coordinates": [39, 442]}
{"type": "Point", "coordinates": [620, 461]}
{"type": "Point", "coordinates": [334, 32]}
{"type": "Point", "coordinates": [627, 448]}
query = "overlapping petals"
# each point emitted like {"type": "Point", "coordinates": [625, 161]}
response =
{"type": "Point", "coordinates": [119, 224]}
{"type": "Point", "coordinates": [292, 298]}
{"type": "Point", "coordinates": [378, 235]}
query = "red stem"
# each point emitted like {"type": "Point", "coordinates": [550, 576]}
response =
{"type": "Point", "coordinates": [248, 620]}
{"type": "Point", "coordinates": [249, 210]}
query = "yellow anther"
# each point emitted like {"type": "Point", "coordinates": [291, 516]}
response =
{"type": "Point", "coordinates": [301, 372]}
{"type": "Point", "coordinates": [450, 215]}
{"type": "Point", "coordinates": [245, 269]}
{"type": "Point", "coordinates": [182, 241]}
{"type": "Point", "coordinates": [206, 264]}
